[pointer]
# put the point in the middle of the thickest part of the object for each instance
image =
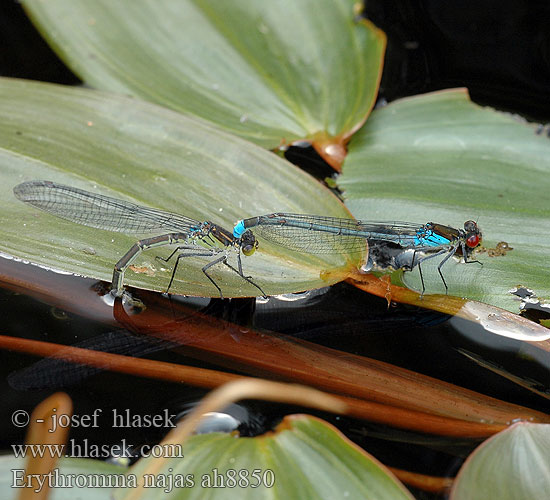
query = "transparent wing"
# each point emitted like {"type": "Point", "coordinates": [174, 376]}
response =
{"type": "Point", "coordinates": [319, 234]}
{"type": "Point", "coordinates": [95, 210]}
{"type": "Point", "coordinates": [61, 372]}
{"type": "Point", "coordinates": [311, 242]}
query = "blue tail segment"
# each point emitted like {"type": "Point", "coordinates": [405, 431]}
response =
{"type": "Point", "coordinates": [239, 229]}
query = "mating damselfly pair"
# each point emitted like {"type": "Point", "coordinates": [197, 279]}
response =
{"type": "Point", "coordinates": [400, 244]}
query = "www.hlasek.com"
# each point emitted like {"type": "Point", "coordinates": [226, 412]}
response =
{"type": "Point", "coordinates": [230, 478]}
{"type": "Point", "coordinates": [86, 450]}
{"type": "Point", "coordinates": [21, 418]}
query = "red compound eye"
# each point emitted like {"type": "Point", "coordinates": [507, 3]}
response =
{"type": "Point", "coordinates": [472, 241]}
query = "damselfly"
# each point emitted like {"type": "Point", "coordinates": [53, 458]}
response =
{"type": "Point", "coordinates": [317, 234]}
{"type": "Point", "coordinates": [194, 238]}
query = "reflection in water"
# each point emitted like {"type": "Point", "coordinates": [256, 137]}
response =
{"type": "Point", "coordinates": [55, 373]}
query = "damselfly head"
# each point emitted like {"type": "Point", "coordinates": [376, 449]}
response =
{"type": "Point", "coordinates": [473, 234]}
{"type": "Point", "coordinates": [248, 243]}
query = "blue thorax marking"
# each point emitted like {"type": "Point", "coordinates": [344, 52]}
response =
{"type": "Point", "coordinates": [239, 229]}
{"type": "Point", "coordinates": [429, 239]}
{"type": "Point", "coordinates": [198, 228]}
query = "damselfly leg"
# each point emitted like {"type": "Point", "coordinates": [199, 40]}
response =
{"type": "Point", "coordinates": [450, 252]}
{"type": "Point", "coordinates": [195, 251]}
{"type": "Point", "coordinates": [190, 251]}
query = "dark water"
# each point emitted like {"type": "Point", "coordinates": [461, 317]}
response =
{"type": "Point", "coordinates": [501, 51]}
{"type": "Point", "coordinates": [339, 317]}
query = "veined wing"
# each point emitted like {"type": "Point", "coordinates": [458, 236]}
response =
{"type": "Point", "coordinates": [319, 234]}
{"type": "Point", "coordinates": [99, 211]}
{"type": "Point", "coordinates": [55, 372]}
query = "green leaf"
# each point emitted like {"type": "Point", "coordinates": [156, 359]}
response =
{"type": "Point", "coordinates": [75, 478]}
{"type": "Point", "coordinates": [305, 458]}
{"type": "Point", "coordinates": [440, 158]}
{"type": "Point", "coordinates": [272, 72]}
{"type": "Point", "coordinates": [514, 464]}
{"type": "Point", "coordinates": [132, 150]}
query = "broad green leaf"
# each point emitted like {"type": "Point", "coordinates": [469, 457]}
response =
{"type": "Point", "coordinates": [80, 478]}
{"type": "Point", "coordinates": [149, 155]}
{"type": "Point", "coordinates": [441, 158]}
{"type": "Point", "coordinates": [272, 72]}
{"type": "Point", "coordinates": [514, 464]}
{"type": "Point", "coordinates": [304, 458]}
